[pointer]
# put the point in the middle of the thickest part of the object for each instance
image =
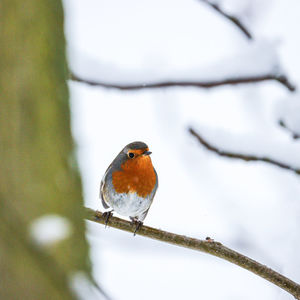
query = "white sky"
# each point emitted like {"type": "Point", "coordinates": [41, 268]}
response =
{"type": "Point", "coordinates": [253, 208]}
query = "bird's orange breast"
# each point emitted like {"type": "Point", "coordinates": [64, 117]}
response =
{"type": "Point", "coordinates": [136, 175]}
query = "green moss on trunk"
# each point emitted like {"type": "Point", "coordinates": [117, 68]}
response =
{"type": "Point", "coordinates": [38, 173]}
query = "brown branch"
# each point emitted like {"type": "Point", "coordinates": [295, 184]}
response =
{"type": "Point", "coordinates": [295, 135]}
{"type": "Point", "coordinates": [208, 246]}
{"type": "Point", "coordinates": [241, 156]}
{"type": "Point", "coordinates": [231, 18]}
{"type": "Point", "coordinates": [199, 84]}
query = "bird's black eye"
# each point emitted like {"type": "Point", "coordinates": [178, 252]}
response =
{"type": "Point", "coordinates": [131, 155]}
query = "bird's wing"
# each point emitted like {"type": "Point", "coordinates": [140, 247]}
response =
{"type": "Point", "coordinates": [105, 205]}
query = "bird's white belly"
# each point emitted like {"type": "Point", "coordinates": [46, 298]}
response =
{"type": "Point", "coordinates": [129, 204]}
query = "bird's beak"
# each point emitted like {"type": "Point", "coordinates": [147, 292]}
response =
{"type": "Point", "coordinates": [147, 152]}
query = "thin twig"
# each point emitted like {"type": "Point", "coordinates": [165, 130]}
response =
{"type": "Point", "coordinates": [207, 246]}
{"type": "Point", "coordinates": [231, 18]}
{"type": "Point", "coordinates": [295, 135]}
{"type": "Point", "coordinates": [199, 84]}
{"type": "Point", "coordinates": [241, 156]}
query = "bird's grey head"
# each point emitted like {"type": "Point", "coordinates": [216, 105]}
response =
{"type": "Point", "coordinates": [135, 146]}
{"type": "Point", "coordinates": [125, 153]}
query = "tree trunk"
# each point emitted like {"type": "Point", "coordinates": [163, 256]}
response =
{"type": "Point", "coordinates": [38, 171]}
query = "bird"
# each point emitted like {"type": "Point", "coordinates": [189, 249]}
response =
{"type": "Point", "coordinates": [129, 184]}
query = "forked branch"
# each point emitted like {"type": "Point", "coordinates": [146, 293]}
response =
{"type": "Point", "coordinates": [208, 246]}
{"type": "Point", "coordinates": [244, 157]}
{"type": "Point", "coordinates": [294, 134]}
{"type": "Point", "coordinates": [231, 18]}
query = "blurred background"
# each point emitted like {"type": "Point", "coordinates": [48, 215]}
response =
{"type": "Point", "coordinates": [252, 207]}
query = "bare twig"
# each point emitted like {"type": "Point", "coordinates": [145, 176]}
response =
{"type": "Point", "coordinates": [207, 246]}
{"type": "Point", "coordinates": [231, 18]}
{"type": "Point", "coordinates": [199, 84]}
{"type": "Point", "coordinates": [241, 156]}
{"type": "Point", "coordinates": [295, 135]}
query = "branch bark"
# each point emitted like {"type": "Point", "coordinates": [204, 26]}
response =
{"type": "Point", "coordinates": [199, 84]}
{"type": "Point", "coordinates": [244, 157]}
{"type": "Point", "coordinates": [208, 246]}
{"type": "Point", "coordinates": [231, 18]}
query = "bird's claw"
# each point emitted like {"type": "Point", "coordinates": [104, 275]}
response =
{"type": "Point", "coordinates": [138, 224]}
{"type": "Point", "coordinates": [106, 215]}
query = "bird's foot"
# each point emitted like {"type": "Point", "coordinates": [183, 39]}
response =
{"type": "Point", "coordinates": [106, 215]}
{"type": "Point", "coordinates": [138, 224]}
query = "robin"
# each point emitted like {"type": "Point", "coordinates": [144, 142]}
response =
{"type": "Point", "coordinates": [129, 184]}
